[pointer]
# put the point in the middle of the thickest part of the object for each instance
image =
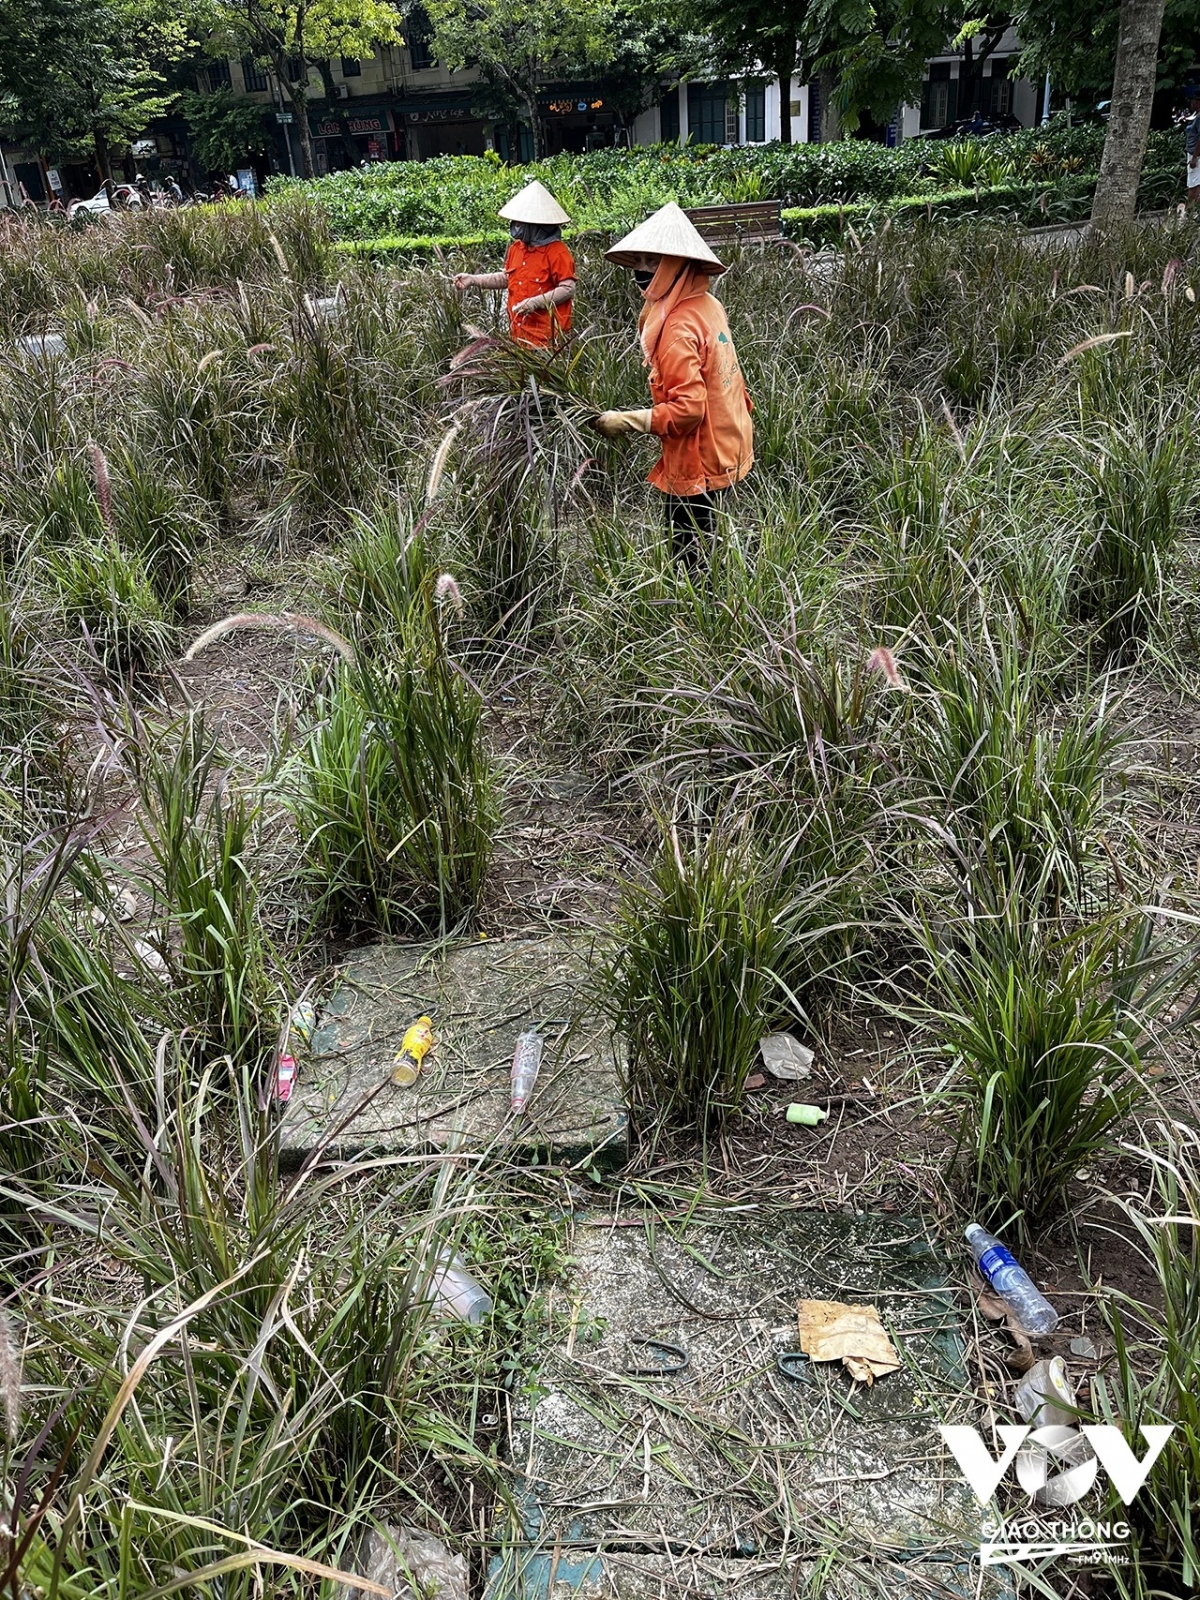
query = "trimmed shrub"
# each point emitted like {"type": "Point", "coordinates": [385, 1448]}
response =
{"type": "Point", "coordinates": [455, 199]}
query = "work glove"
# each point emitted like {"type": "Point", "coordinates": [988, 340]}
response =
{"type": "Point", "coordinates": [612, 424]}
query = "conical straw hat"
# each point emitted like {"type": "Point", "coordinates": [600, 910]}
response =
{"type": "Point", "coordinates": [669, 232]}
{"type": "Point", "coordinates": [535, 203]}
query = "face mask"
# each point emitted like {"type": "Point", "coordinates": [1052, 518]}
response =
{"type": "Point", "coordinates": [516, 230]}
{"type": "Point", "coordinates": [643, 279]}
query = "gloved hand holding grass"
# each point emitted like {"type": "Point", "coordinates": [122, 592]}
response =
{"type": "Point", "coordinates": [612, 424]}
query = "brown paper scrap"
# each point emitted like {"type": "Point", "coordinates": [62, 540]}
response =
{"type": "Point", "coordinates": [830, 1331]}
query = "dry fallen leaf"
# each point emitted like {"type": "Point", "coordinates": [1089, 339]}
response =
{"type": "Point", "coordinates": [854, 1335]}
{"type": "Point", "coordinates": [1020, 1359]}
{"type": "Point", "coordinates": [990, 1305]}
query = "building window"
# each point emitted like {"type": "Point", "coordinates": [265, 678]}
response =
{"type": "Point", "coordinates": [938, 107]}
{"type": "Point", "coordinates": [732, 128]}
{"type": "Point", "coordinates": [295, 69]}
{"type": "Point", "coordinates": [668, 118]}
{"type": "Point", "coordinates": [218, 76]}
{"type": "Point", "coordinates": [253, 76]}
{"type": "Point", "coordinates": [756, 113]}
{"type": "Point", "coordinates": [418, 35]}
{"type": "Point", "coordinates": [351, 68]}
{"type": "Point", "coordinates": [707, 113]}
{"type": "Point", "coordinates": [1000, 104]}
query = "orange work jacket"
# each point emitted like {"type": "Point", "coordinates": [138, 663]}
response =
{"type": "Point", "coordinates": [534, 270]}
{"type": "Point", "coordinates": [701, 404]}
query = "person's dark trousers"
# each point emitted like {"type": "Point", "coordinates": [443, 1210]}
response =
{"type": "Point", "coordinates": [691, 525]}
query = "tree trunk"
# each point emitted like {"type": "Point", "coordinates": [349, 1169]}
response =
{"type": "Point", "coordinates": [339, 115]}
{"type": "Point", "coordinates": [1139, 31]}
{"type": "Point", "coordinates": [298, 93]}
{"type": "Point", "coordinates": [785, 105]}
{"type": "Point", "coordinates": [535, 126]}
{"type": "Point", "coordinates": [103, 161]}
{"type": "Point", "coordinates": [830, 127]}
{"type": "Point", "coordinates": [970, 73]}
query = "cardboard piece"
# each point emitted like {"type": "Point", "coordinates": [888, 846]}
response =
{"type": "Point", "coordinates": [854, 1335]}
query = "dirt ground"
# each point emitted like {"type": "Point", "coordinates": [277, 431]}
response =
{"type": "Point", "coordinates": [567, 839]}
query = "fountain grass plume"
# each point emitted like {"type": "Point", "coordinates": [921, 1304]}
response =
{"type": "Point", "coordinates": [284, 622]}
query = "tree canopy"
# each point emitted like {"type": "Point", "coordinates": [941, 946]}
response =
{"type": "Point", "coordinates": [650, 48]}
{"type": "Point", "coordinates": [867, 57]}
{"type": "Point", "coordinates": [520, 45]}
{"type": "Point", "coordinates": [1076, 42]}
{"type": "Point", "coordinates": [224, 129]}
{"type": "Point", "coordinates": [76, 74]}
{"type": "Point", "coordinates": [293, 36]}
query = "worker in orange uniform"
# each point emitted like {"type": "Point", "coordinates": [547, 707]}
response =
{"type": "Point", "coordinates": [539, 270]}
{"type": "Point", "coordinates": [701, 407]}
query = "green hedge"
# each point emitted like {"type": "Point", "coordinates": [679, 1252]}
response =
{"type": "Point", "coordinates": [457, 197]}
{"type": "Point", "coordinates": [1068, 200]}
{"type": "Point", "coordinates": [419, 244]}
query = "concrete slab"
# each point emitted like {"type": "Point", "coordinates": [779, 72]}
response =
{"type": "Point", "coordinates": [730, 1460]}
{"type": "Point", "coordinates": [480, 997]}
{"type": "Point", "coordinates": [572, 1574]}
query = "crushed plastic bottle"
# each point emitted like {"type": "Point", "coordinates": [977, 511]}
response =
{"type": "Point", "coordinates": [527, 1060]}
{"type": "Point", "coordinates": [303, 1021]}
{"type": "Point", "coordinates": [414, 1047]}
{"type": "Point", "coordinates": [1011, 1282]}
{"type": "Point", "coordinates": [457, 1291]}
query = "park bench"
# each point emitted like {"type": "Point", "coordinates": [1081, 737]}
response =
{"type": "Point", "coordinates": [753, 222]}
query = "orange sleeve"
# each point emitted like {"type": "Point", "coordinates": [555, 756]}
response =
{"type": "Point", "coordinates": [562, 262]}
{"type": "Point", "coordinates": [681, 375]}
{"type": "Point", "coordinates": [510, 262]}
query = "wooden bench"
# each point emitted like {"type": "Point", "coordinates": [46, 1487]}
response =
{"type": "Point", "coordinates": [753, 222]}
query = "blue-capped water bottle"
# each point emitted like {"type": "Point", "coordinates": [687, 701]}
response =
{"type": "Point", "coordinates": [1011, 1282]}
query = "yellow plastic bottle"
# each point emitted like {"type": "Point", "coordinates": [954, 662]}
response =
{"type": "Point", "coordinates": [414, 1047]}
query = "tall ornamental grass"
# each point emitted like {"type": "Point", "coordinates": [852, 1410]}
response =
{"type": "Point", "coordinates": [1156, 1377]}
{"type": "Point", "coordinates": [274, 1382]}
{"type": "Point", "coordinates": [395, 797]}
{"type": "Point", "coordinates": [694, 979]}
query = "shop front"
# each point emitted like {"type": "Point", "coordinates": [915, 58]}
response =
{"type": "Point", "coordinates": [441, 125]}
{"type": "Point", "coordinates": [369, 133]}
{"type": "Point", "coordinates": [576, 118]}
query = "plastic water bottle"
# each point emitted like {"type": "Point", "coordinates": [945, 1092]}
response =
{"type": "Point", "coordinates": [457, 1291]}
{"type": "Point", "coordinates": [527, 1059]}
{"type": "Point", "coordinates": [1011, 1282]}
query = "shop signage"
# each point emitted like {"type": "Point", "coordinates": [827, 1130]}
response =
{"type": "Point", "coordinates": [437, 114]}
{"type": "Point", "coordinates": [570, 108]}
{"type": "Point", "coordinates": [361, 125]}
